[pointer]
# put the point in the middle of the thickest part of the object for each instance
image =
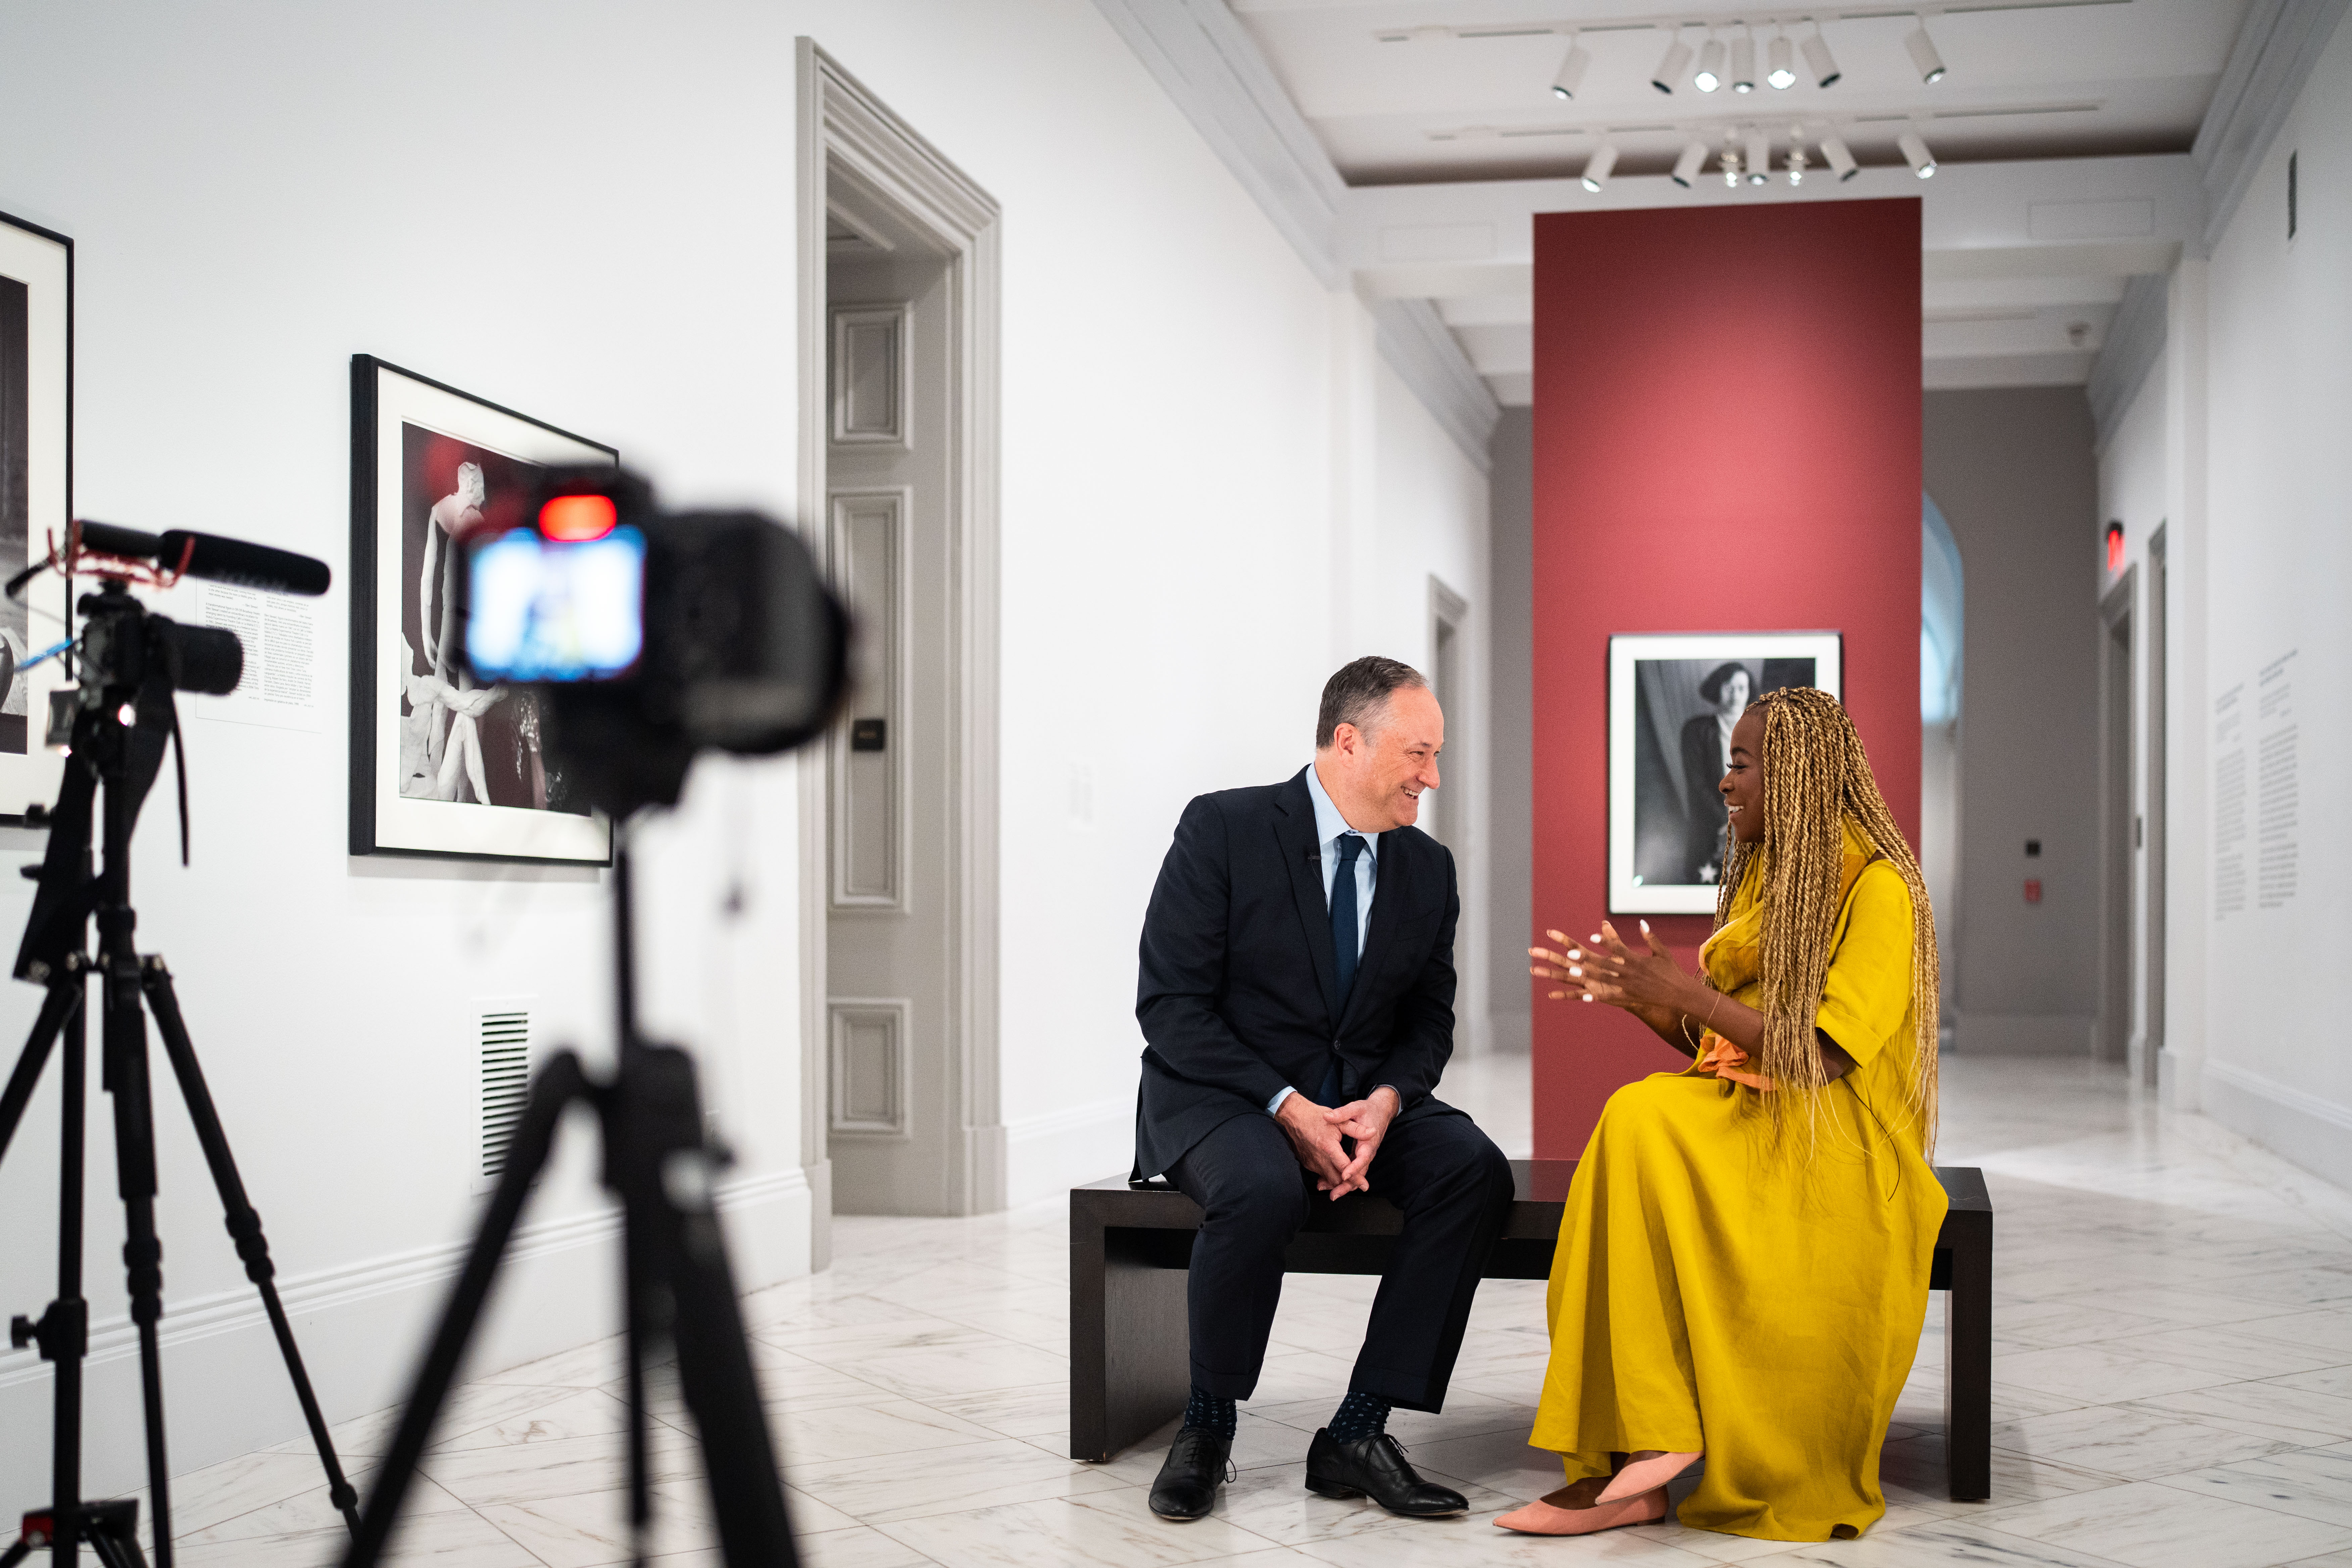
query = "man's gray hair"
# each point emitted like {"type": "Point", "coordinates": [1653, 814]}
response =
{"type": "Point", "coordinates": [1359, 695]}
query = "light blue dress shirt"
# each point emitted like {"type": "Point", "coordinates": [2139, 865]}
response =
{"type": "Point", "coordinates": [1330, 828]}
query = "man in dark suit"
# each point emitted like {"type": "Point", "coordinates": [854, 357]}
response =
{"type": "Point", "coordinates": [1297, 998]}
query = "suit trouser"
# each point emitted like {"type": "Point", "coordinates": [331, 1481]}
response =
{"type": "Point", "coordinates": [1455, 1187]}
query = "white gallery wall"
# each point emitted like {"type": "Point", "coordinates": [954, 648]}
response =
{"type": "Point", "coordinates": [2279, 397]}
{"type": "Point", "coordinates": [2233, 444]}
{"type": "Point", "coordinates": [1195, 433]}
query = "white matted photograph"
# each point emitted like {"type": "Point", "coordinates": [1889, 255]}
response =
{"type": "Point", "coordinates": [1673, 699]}
{"type": "Point", "coordinates": [443, 764]}
{"type": "Point", "coordinates": [35, 490]}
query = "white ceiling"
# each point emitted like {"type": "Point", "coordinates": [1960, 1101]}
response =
{"type": "Point", "coordinates": [1397, 93]}
{"type": "Point", "coordinates": [1446, 106]}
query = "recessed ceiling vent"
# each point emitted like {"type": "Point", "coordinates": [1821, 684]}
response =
{"type": "Point", "coordinates": [505, 1042]}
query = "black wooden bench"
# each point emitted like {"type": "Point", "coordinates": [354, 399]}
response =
{"type": "Point", "coordinates": [1130, 1246]}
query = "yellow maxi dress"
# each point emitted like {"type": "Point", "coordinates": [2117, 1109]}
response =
{"type": "Point", "coordinates": [1707, 1294]}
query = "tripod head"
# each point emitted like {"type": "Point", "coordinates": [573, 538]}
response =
{"type": "Point", "coordinates": [131, 663]}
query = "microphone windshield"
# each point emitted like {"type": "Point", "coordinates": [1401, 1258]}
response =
{"type": "Point", "coordinates": [211, 556]}
{"type": "Point", "coordinates": [218, 560]}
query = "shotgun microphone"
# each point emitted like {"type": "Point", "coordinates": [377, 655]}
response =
{"type": "Point", "coordinates": [210, 556]}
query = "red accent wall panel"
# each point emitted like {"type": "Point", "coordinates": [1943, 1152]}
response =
{"type": "Point", "coordinates": [1727, 438]}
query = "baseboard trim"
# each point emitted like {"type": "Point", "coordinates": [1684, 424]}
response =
{"type": "Point", "coordinates": [1050, 1153]}
{"type": "Point", "coordinates": [2288, 1121]}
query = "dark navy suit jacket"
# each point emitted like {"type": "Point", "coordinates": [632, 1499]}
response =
{"type": "Point", "coordinates": [1237, 988]}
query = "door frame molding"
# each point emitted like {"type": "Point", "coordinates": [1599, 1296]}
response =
{"type": "Point", "coordinates": [840, 124]}
{"type": "Point", "coordinates": [2118, 852]}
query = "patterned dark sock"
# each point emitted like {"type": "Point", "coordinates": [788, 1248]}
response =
{"type": "Point", "coordinates": [1211, 1414]}
{"type": "Point", "coordinates": [1361, 1415]}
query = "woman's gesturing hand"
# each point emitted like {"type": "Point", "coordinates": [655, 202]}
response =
{"type": "Point", "coordinates": [1608, 971]}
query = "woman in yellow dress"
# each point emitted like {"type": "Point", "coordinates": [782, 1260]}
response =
{"type": "Point", "coordinates": [1742, 1267]}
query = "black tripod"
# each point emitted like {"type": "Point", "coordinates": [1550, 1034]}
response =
{"type": "Point", "coordinates": [126, 714]}
{"type": "Point", "coordinates": [676, 1283]}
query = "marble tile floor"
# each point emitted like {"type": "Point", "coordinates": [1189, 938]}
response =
{"type": "Point", "coordinates": [2174, 1367]}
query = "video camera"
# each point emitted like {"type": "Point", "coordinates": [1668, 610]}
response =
{"type": "Point", "coordinates": [650, 636]}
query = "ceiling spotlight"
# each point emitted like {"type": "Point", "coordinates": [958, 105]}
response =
{"type": "Point", "coordinates": [1710, 66]}
{"type": "Point", "coordinates": [1922, 53]}
{"type": "Point", "coordinates": [1596, 167]}
{"type": "Point", "coordinates": [1693, 160]}
{"type": "Point", "coordinates": [1743, 62]}
{"type": "Point", "coordinates": [1572, 69]}
{"type": "Point", "coordinates": [1841, 162]}
{"type": "Point", "coordinates": [1796, 155]}
{"type": "Point", "coordinates": [1670, 69]}
{"type": "Point", "coordinates": [1730, 161]}
{"type": "Point", "coordinates": [1759, 157]}
{"type": "Point", "coordinates": [1779, 70]}
{"type": "Point", "coordinates": [1818, 58]}
{"type": "Point", "coordinates": [1922, 162]}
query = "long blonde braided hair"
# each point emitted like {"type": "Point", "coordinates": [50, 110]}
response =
{"type": "Point", "coordinates": [1816, 777]}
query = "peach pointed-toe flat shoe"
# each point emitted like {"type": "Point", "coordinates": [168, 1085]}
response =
{"type": "Point", "coordinates": [1575, 1510]}
{"type": "Point", "coordinates": [1641, 1476]}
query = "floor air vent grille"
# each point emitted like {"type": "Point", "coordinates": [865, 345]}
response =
{"type": "Point", "coordinates": [506, 1078]}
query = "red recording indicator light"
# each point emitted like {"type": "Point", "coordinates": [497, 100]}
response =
{"type": "Point", "coordinates": [575, 518]}
{"type": "Point", "coordinates": [2114, 547]}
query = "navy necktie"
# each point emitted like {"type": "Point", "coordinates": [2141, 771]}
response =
{"type": "Point", "coordinates": [1344, 926]}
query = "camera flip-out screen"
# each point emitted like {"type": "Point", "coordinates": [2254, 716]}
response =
{"type": "Point", "coordinates": [548, 609]}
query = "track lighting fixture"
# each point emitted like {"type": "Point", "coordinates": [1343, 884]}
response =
{"type": "Point", "coordinates": [1922, 53]}
{"type": "Point", "coordinates": [1759, 157]}
{"type": "Point", "coordinates": [1915, 152]}
{"type": "Point", "coordinates": [1730, 161]}
{"type": "Point", "coordinates": [1710, 65]}
{"type": "Point", "coordinates": [1797, 160]}
{"type": "Point", "coordinates": [1596, 167]}
{"type": "Point", "coordinates": [1693, 160]}
{"type": "Point", "coordinates": [1572, 69]}
{"type": "Point", "coordinates": [1779, 69]}
{"type": "Point", "coordinates": [1743, 62]}
{"type": "Point", "coordinates": [1841, 162]}
{"type": "Point", "coordinates": [1818, 58]}
{"type": "Point", "coordinates": [1670, 69]}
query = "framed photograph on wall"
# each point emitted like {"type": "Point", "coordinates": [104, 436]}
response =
{"type": "Point", "coordinates": [1673, 698]}
{"type": "Point", "coordinates": [35, 493]}
{"type": "Point", "coordinates": [440, 763]}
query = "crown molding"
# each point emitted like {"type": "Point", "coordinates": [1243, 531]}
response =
{"type": "Point", "coordinates": [2277, 46]}
{"type": "Point", "coordinates": [1216, 74]}
{"type": "Point", "coordinates": [1421, 348]}
{"type": "Point", "coordinates": [2134, 339]}
{"type": "Point", "coordinates": [1213, 70]}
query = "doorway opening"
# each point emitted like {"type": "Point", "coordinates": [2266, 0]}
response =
{"type": "Point", "coordinates": [1448, 820]}
{"type": "Point", "coordinates": [2119, 825]}
{"type": "Point", "coordinates": [897, 460]}
{"type": "Point", "coordinates": [2152, 1006]}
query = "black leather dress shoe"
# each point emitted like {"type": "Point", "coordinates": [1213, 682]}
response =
{"type": "Point", "coordinates": [1191, 1475]}
{"type": "Point", "coordinates": [1376, 1467]}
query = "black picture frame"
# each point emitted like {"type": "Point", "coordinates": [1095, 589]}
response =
{"type": "Point", "coordinates": [36, 398]}
{"type": "Point", "coordinates": [1665, 841]}
{"type": "Point", "coordinates": [429, 423]}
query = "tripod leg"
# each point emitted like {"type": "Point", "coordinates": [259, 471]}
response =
{"type": "Point", "coordinates": [635, 1274]}
{"type": "Point", "coordinates": [125, 1036]}
{"type": "Point", "coordinates": [70, 1343]}
{"type": "Point", "coordinates": [558, 1084]}
{"type": "Point", "coordinates": [243, 1225]}
{"type": "Point", "coordinates": [64, 1328]}
{"type": "Point", "coordinates": [61, 1001]}
{"type": "Point", "coordinates": [655, 1120]}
